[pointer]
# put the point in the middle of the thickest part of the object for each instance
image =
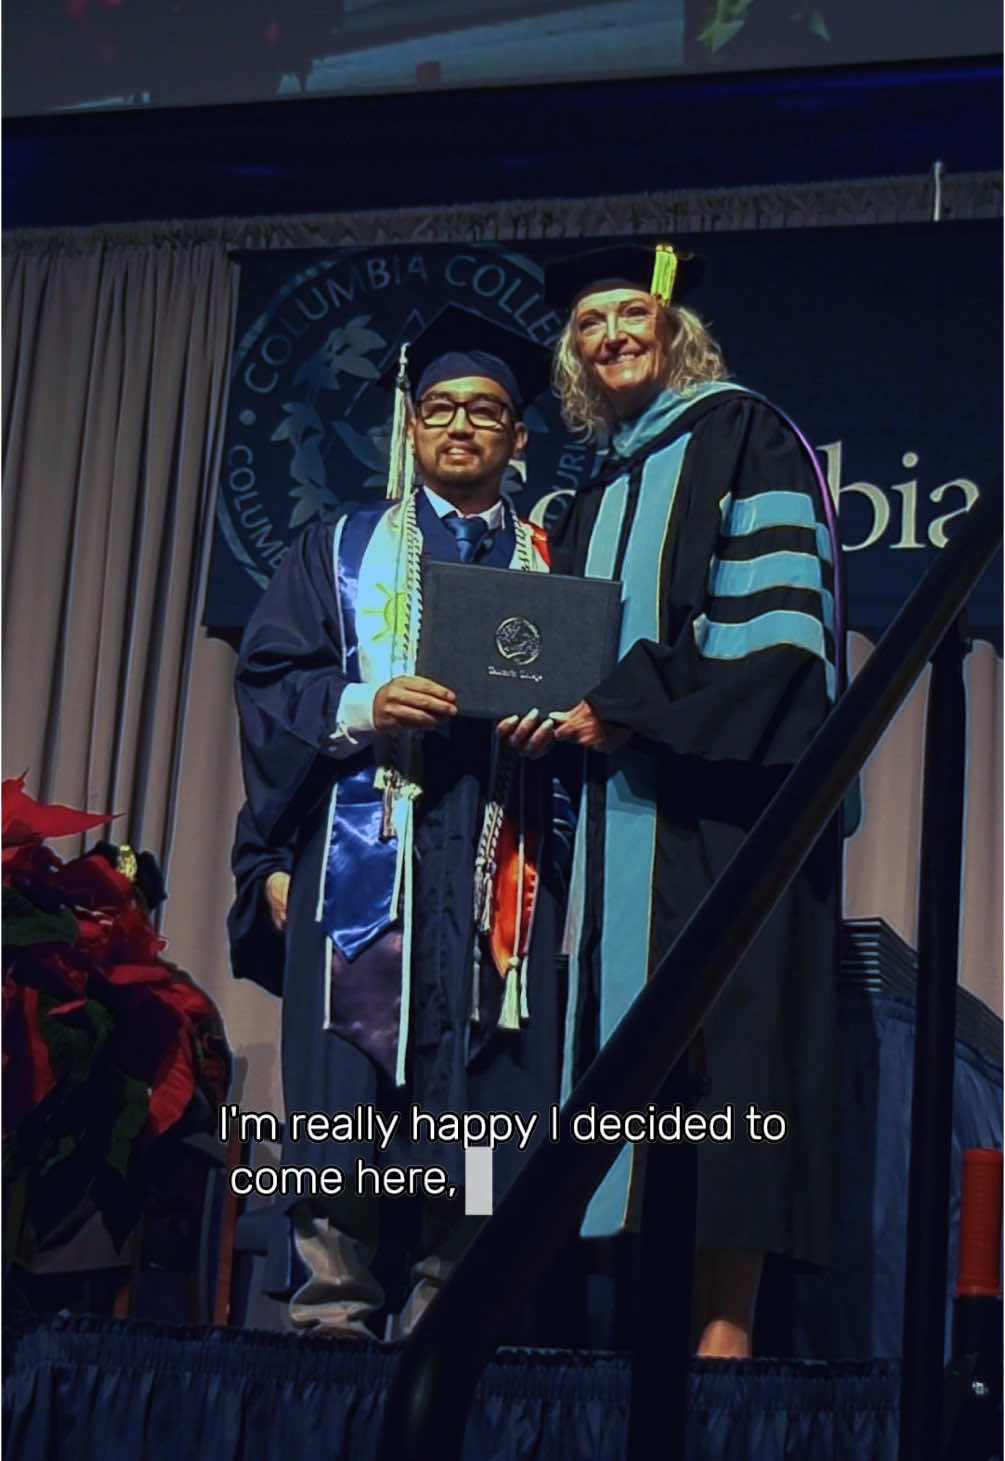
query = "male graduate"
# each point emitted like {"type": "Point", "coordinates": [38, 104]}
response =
{"type": "Point", "coordinates": [420, 925]}
{"type": "Point", "coordinates": [710, 509]}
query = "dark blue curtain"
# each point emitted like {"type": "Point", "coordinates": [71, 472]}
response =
{"type": "Point", "coordinates": [854, 1309]}
{"type": "Point", "coordinates": [106, 1390]}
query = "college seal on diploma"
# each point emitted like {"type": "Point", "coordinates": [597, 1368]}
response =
{"type": "Point", "coordinates": [518, 639]}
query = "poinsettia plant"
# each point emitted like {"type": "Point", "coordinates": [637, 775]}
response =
{"type": "Point", "coordinates": [108, 1048]}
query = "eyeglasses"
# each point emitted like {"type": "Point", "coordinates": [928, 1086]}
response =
{"type": "Point", "coordinates": [486, 414]}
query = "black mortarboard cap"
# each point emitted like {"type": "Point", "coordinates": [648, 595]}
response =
{"type": "Point", "coordinates": [568, 279]}
{"type": "Point", "coordinates": [459, 341]}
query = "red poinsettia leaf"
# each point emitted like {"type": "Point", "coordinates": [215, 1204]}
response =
{"type": "Point", "coordinates": [172, 1090]}
{"type": "Point", "coordinates": [57, 970]}
{"type": "Point", "coordinates": [94, 936]}
{"type": "Point", "coordinates": [147, 1027]}
{"type": "Point", "coordinates": [187, 999]}
{"type": "Point", "coordinates": [124, 975]}
{"type": "Point", "coordinates": [133, 940]}
{"type": "Point", "coordinates": [70, 1006]}
{"type": "Point", "coordinates": [93, 882]}
{"type": "Point", "coordinates": [27, 1071]}
{"type": "Point", "coordinates": [30, 862]}
{"type": "Point", "coordinates": [24, 819]}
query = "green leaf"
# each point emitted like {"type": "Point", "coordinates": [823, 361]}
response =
{"type": "Point", "coordinates": [15, 1212]}
{"type": "Point", "coordinates": [25, 923]}
{"type": "Point", "coordinates": [67, 1143]}
{"type": "Point", "coordinates": [818, 26]}
{"type": "Point", "coordinates": [128, 1124]}
{"type": "Point", "coordinates": [71, 1047]}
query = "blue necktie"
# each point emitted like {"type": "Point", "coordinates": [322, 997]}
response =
{"type": "Point", "coordinates": [469, 532]}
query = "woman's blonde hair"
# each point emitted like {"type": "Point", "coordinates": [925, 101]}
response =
{"type": "Point", "coordinates": [691, 358]}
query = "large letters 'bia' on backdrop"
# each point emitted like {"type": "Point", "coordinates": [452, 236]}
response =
{"type": "Point", "coordinates": [881, 342]}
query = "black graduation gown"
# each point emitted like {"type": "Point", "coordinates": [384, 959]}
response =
{"type": "Point", "coordinates": [721, 734]}
{"type": "Point", "coordinates": [288, 685]}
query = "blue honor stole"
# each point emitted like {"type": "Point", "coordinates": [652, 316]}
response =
{"type": "Point", "coordinates": [367, 872]}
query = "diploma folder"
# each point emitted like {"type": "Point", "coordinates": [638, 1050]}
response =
{"type": "Point", "coordinates": [507, 641]}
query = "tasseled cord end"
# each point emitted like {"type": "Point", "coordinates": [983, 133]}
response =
{"type": "Point", "coordinates": [399, 471]}
{"type": "Point", "coordinates": [509, 1015]}
{"type": "Point", "coordinates": [515, 1011]}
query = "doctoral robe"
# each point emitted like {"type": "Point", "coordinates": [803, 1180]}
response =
{"type": "Point", "coordinates": [343, 984]}
{"type": "Point", "coordinates": [710, 512]}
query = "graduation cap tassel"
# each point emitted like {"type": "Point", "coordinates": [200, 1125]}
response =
{"type": "Point", "coordinates": [399, 465]}
{"type": "Point", "coordinates": [664, 272]}
{"type": "Point", "coordinates": [408, 473]}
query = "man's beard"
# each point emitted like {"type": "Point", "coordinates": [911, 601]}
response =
{"type": "Point", "coordinates": [467, 474]}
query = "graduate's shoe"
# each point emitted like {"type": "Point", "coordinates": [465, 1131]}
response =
{"type": "Point", "coordinates": [428, 1277]}
{"type": "Point", "coordinates": [354, 1329]}
{"type": "Point", "coordinates": [340, 1293]}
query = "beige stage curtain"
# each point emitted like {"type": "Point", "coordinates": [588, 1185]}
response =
{"type": "Point", "coordinates": [882, 862]}
{"type": "Point", "coordinates": [115, 376]}
{"type": "Point", "coordinates": [116, 353]}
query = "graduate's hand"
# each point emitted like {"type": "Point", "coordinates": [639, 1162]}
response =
{"type": "Point", "coordinates": [277, 892]}
{"type": "Point", "coordinates": [583, 727]}
{"type": "Point", "coordinates": [411, 702]}
{"type": "Point", "coordinates": [530, 736]}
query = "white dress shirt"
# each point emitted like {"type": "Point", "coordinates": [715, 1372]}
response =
{"type": "Point", "coordinates": [354, 727]}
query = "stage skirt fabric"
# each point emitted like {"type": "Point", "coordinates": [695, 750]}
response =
{"type": "Point", "coordinates": [106, 1390]}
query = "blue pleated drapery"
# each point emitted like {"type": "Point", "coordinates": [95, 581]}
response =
{"type": "Point", "coordinates": [107, 1390]}
{"type": "Point", "coordinates": [855, 1308]}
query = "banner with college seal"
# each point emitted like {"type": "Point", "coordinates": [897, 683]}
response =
{"type": "Point", "coordinates": [882, 343]}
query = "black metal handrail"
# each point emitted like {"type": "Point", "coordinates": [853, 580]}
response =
{"type": "Point", "coordinates": [924, 1323]}
{"type": "Point", "coordinates": [439, 1366]}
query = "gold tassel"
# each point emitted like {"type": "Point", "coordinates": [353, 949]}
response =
{"type": "Point", "coordinates": [664, 272]}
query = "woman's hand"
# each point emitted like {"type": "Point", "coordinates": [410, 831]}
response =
{"type": "Point", "coordinates": [583, 727]}
{"type": "Point", "coordinates": [529, 736]}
